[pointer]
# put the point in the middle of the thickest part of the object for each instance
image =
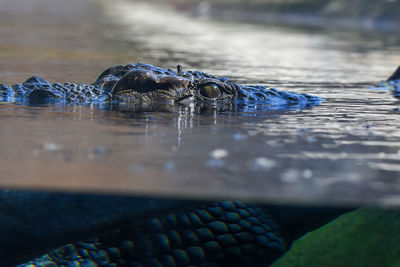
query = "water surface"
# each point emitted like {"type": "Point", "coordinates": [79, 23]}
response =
{"type": "Point", "coordinates": [346, 150]}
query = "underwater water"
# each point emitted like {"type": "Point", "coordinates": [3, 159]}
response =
{"type": "Point", "coordinates": [344, 152]}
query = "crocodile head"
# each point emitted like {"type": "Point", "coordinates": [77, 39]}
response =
{"type": "Point", "coordinates": [146, 83]}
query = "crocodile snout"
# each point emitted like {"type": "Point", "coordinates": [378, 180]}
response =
{"type": "Point", "coordinates": [144, 81]}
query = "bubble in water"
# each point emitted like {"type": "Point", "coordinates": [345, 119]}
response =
{"type": "Point", "coordinates": [262, 164]}
{"type": "Point", "coordinates": [219, 153]}
{"type": "Point", "coordinates": [290, 176]}
{"type": "Point", "coordinates": [239, 136]}
{"type": "Point", "coordinates": [307, 174]}
{"type": "Point", "coordinates": [52, 147]}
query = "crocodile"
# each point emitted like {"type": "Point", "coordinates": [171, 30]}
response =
{"type": "Point", "coordinates": [395, 76]}
{"type": "Point", "coordinates": [392, 84]}
{"type": "Point", "coordinates": [144, 83]}
{"type": "Point", "coordinates": [94, 230]}
{"type": "Point", "coordinates": [91, 230]}
{"type": "Point", "coordinates": [112, 230]}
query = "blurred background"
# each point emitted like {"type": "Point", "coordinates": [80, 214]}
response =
{"type": "Point", "coordinates": [367, 14]}
{"type": "Point", "coordinates": [95, 33]}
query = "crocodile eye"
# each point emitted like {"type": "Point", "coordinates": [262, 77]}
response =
{"type": "Point", "coordinates": [210, 90]}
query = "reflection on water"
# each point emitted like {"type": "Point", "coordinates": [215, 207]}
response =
{"type": "Point", "coordinates": [329, 152]}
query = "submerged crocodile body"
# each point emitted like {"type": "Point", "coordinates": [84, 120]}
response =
{"type": "Point", "coordinates": [221, 234]}
{"type": "Point", "coordinates": [110, 231]}
{"type": "Point", "coordinates": [144, 83]}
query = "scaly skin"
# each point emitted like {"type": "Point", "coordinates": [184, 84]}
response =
{"type": "Point", "coordinates": [222, 234]}
{"type": "Point", "coordinates": [143, 83]}
{"type": "Point", "coordinates": [228, 233]}
{"type": "Point", "coordinates": [103, 228]}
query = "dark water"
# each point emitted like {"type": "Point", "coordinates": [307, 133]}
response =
{"type": "Point", "coordinates": [347, 150]}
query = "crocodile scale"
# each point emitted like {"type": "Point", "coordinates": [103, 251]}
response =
{"type": "Point", "coordinates": [222, 234]}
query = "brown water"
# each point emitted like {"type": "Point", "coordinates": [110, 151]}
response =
{"type": "Point", "coordinates": [346, 150]}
